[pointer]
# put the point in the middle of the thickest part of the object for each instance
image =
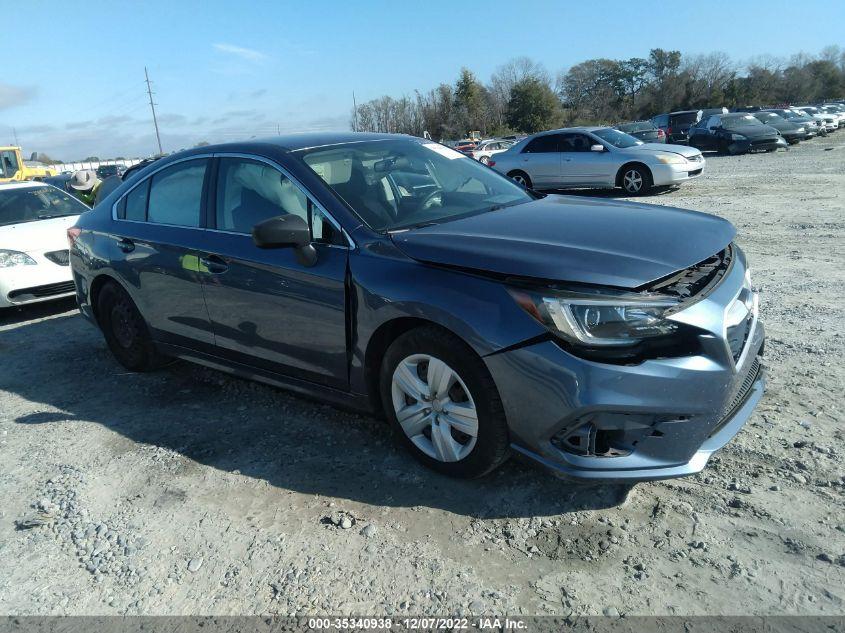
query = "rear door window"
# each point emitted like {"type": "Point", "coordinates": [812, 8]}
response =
{"type": "Point", "coordinates": [176, 194]}
{"type": "Point", "coordinates": [543, 144]}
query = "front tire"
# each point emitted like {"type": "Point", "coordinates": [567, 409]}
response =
{"type": "Point", "coordinates": [442, 403]}
{"type": "Point", "coordinates": [125, 330]}
{"type": "Point", "coordinates": [484, 160]}
{"type": "Point", "coordinates": [636, 180]}
{"type": "Point", "coordinates": [520, 178]}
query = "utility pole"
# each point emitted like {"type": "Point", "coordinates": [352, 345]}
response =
{"type": "Point", "coordinates": [153, 108]}
{"type": "Point", "coordinates": [354, 113]}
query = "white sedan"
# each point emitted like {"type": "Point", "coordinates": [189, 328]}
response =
{"type": "Point", "coordinates": [34, 219]}
{"type": "Point", "coordinates": [597, 157]}
{"type": "Point", "coordinates": [485, 149]}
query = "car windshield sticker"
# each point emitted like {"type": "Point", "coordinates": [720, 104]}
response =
{"type": "Point", "coordinates": [443, 151]}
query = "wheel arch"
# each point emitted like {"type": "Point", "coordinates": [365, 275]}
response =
{"type": "Point", "coordinates": [629, 164]}
{"type": "Point", "coordinates": [94, 290]}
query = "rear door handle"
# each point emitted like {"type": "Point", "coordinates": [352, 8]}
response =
{"type": "Point", "coordinates": [126, 245]}
{"type": "Point", "coordinates": [214, 264]}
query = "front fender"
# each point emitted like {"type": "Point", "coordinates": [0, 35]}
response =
{"type": "Point", "coordinates": [391, 286]}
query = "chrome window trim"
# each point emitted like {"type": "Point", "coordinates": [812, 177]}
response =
{"type": "Point", "coordinates": [261, 159]}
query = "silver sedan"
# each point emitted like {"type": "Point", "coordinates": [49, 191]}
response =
{"type": "Point", "coordinates": [597, 157]}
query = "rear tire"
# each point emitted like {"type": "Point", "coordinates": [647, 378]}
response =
{"type": "Point", "coordinates": [635, 179]}
{"type": "Point", "coordinates": [484, 160]}
{"type": "Point", "coordinates": [453, 417]}
{"type": "Point", "coordinates": [520, 178]}
{"type": "Point", "coordinates": [125, 330]}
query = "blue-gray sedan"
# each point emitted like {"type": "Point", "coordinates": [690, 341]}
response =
{"type": "Point", "coordinates": [603, 339]}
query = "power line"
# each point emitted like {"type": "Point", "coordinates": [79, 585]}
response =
{"type": "Point", "coordinates": [153, 108]}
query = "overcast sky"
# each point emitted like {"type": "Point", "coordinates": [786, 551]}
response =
{"type": "Point", "coordinates": [72, 83]}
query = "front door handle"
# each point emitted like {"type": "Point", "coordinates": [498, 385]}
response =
{"type": "Point", "coordinates": [126, 245]}
{"type": "Point", "coordinates": [214, 264]}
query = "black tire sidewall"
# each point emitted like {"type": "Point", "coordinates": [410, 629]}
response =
{"type": "Point", "coordinates": [492, 443]}
{"type": "Point", "coordinates": [140, 355]}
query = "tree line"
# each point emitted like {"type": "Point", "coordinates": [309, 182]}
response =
{"type": "Point", "coordinates": [522, 96]}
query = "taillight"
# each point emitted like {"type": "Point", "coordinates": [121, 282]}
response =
{"type": "Point", "coordinates": [491, 162]}
{"type": "Point", "coordinates": [73, 234]}
{"type": "Point", "coordinates": [668, 130]}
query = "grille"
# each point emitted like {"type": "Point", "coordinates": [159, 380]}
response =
{"type": "Point", "coordinates": [695, 172]}
{"type": "Point", "coordinates": [48, 290]}
{"type": "Point", "coordinates": [696, 279]}
{"type": "Point", "coordinates": [62, 258]}
{"type": "Point", "coordinates": [741, 396]}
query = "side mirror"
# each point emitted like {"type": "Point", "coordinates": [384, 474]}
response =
{"type": "Point", "coordinates": [596, 148]}
{"type": "Point", "coordinates": [286, 231]}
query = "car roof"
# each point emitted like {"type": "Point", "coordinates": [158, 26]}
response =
{"type": "Point", "coordinates": [26, 184]}
{"type": "Point", "coordinates": [296, 142]}
{"type": "Point", "coordinates": [582, 128]}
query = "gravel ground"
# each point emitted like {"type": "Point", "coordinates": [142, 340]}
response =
{"type": "Point", "coordinates": [189, 492]}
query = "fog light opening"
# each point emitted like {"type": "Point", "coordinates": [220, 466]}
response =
{"type": "Point", "coordinates": [590, 441]}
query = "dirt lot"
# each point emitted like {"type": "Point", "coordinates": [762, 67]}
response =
{"type": "Point", "coordinates": [189, 492]}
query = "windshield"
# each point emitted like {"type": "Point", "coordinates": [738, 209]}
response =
{"type": "Point", "coordinates": [8, 164]}
{"type": "Point", "coordinates": [396, 184]}
{"type": "Point", "coordinates": [28, 204]}
{"type": "Point", "coordinates": [639, 126]}
{"type": "Point", "coordinates": [767, 117]}
{"type": "Point", "coordinates": [684, 118]}
{"type": "Point", "coordinates": [617, 138]}
{"type": "Point", "coordinates": [743, 120]}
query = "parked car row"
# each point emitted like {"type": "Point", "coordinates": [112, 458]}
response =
{"type": "Point", "coordinates": [717, 129]}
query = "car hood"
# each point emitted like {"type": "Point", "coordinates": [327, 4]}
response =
{"type": "Point", "coordinates": [38, 236]}
{"type": "Point", "coordinates": [753, 131]}
{"type": "Point", "coordinates": [580, 240]}
{"type": "Point", "coordinates": [683, 150]}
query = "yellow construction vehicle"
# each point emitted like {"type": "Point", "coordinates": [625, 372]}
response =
{"type": "Point", "coordinates": [13, 167]}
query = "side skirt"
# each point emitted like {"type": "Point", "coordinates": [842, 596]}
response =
{"type": "Point", "coordinates": [358, 403]}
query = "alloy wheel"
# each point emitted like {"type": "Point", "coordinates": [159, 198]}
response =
{"type": "Point", "coordinates": [434, 408]}
{"type": "Point", "coordinates": [519, 179]}
{"type": "Point", "coordinates": [632, 181]}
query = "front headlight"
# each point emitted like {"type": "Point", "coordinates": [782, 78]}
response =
{"type": "Point", "coordinates": [598, 320]}
{"type": "Point", "coordinates": [671, 159]}
{"type": "Point", "coordinates": [15, 258]}
{"type": "Point", "coordinates": [738, 137]}
{"type": "Point", "coordinates": [801, 129]}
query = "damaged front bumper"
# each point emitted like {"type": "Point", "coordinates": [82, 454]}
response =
{"type": "Point", "coordinates": [655, 419]}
